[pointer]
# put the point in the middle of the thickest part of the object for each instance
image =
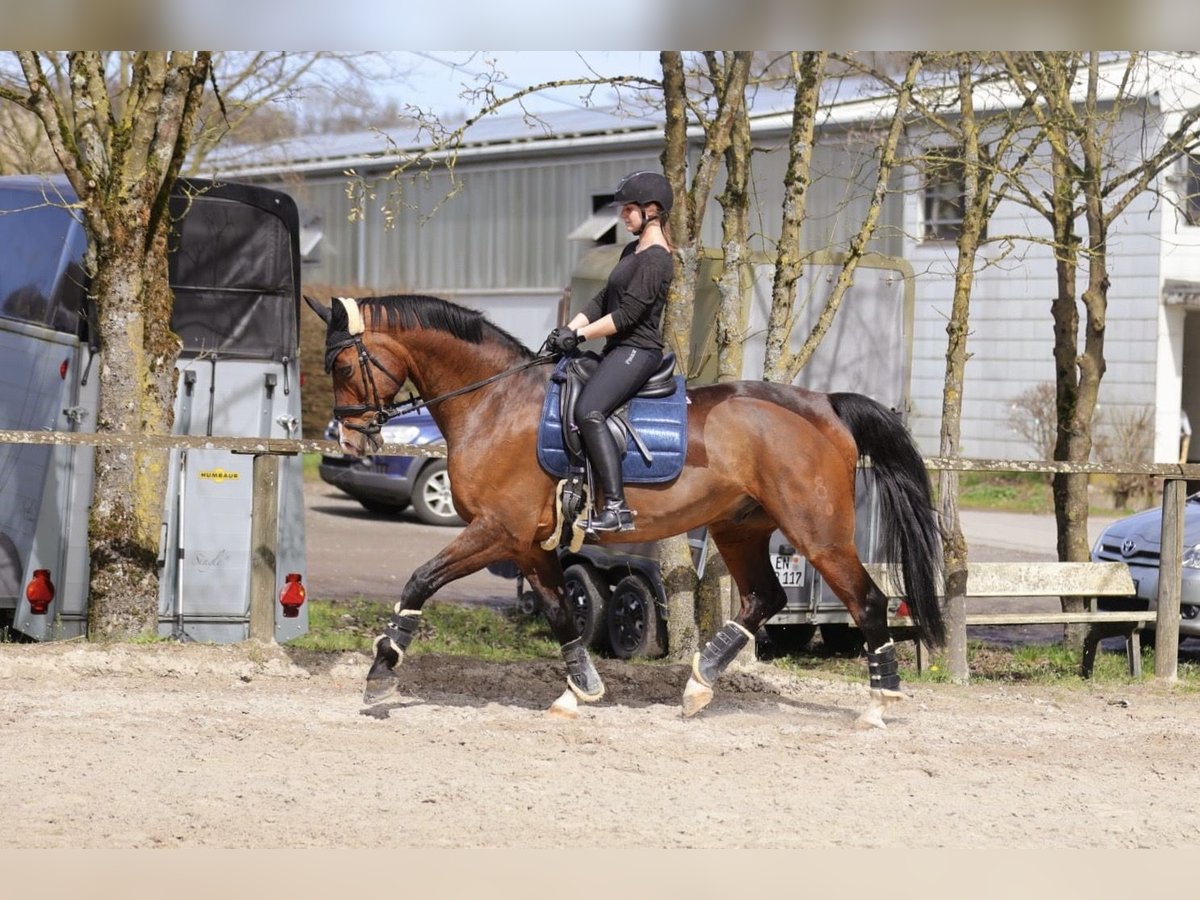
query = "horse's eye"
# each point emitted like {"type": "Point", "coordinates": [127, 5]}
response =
{"type": "Point", "coordinates": [343, 371]}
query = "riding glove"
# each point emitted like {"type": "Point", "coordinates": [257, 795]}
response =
{"type": "Point", "coordinates": [562, 340]}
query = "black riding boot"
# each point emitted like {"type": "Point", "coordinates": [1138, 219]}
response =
{"type": "Point", "coordinates": [606, 462]}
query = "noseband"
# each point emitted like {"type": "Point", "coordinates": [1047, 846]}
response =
{"type": "Point", "coordinates": [367, 361]}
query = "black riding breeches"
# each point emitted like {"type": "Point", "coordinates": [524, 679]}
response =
{"type": "Point", "coordinates": [622, 371]}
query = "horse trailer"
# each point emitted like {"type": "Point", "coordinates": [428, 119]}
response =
{"type": "Point", "coordinates": [867, 350]}
{"type": "Point", "coordinates": [234, 269]}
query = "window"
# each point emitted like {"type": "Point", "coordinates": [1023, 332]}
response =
{"type": "Point", "coordinates": [944, 192]}
{"type": "Point", "coordinates": [601, 226]}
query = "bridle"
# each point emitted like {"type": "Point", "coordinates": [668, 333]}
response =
{"type": "Point", "coordinates": [367, 362]}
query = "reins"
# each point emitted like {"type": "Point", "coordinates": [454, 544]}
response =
{"type": "Point", "coordinates": [384, 411]}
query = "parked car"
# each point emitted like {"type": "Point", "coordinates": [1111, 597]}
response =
{"type": "Point", "coordinates": [1136, 540]}
{"type": "Point", "coordinates": [387, 485]}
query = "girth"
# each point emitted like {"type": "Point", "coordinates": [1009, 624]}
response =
{"type": "Point", "coordinates": [575, 375]}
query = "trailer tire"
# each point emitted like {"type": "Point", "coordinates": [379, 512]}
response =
{"type": "Point", "coordinates": [634, 626]}
{"type": "Point", "coordinates": [587, 596]}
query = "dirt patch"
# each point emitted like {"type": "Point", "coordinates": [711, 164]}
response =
{"type": "Point", "coordinates": [245, 746]}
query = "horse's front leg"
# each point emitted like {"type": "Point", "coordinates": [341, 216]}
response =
{"type": "Point", "coordinates": [479, 544]}
{"type": "Point", "coordinates": [544, 572]}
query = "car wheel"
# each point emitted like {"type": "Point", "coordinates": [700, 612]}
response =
{"type": "Point", "coordinates": [377, 508]}
{"type": "Point", "coordinates": [587, 598]}
{"type": "Point", "coordinates": [431, 499]}
{"type": "Point", "coordinates": [783, 640]}
{"type": "Point", "coordinates": [634, 628]}
{"type": "Point", "coordinates": [844, 640]}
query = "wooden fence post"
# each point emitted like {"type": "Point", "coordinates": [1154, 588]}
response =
{"type": "Point", "coordinates": [1170, 576]}
{"type": "Point", "coordinates": [263, 534]}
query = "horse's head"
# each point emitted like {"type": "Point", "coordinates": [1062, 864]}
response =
{"type": "Point", "coordinates": [366, 375]}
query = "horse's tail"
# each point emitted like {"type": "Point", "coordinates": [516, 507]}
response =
{"type": "Point", "coordinates": [910, 534]}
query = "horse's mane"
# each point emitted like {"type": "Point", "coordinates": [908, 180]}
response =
{"type": "Point", "coordinates": [422, 311]}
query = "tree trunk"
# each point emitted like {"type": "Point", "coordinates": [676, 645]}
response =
{"type": "Point", "coordinates": [674, 554]}
{"type": "Point", "coordinates": [954, 544]}
{"type": "Point", "coordinates": [138, 365]}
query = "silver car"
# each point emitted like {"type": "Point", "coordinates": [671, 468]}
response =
{"type": "Point", "coordinates": [1135, 540]}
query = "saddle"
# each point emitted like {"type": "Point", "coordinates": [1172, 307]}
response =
{"type": "Point", "coordinates": [654, 422]}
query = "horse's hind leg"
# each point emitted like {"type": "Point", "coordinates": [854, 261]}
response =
{"type": "Point", "coordinates": [842, 570]}
{"type": "Point", "coordinates": [746, 552]}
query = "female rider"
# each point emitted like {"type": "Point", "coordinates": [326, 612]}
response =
{"type": "Point", "coordinates": [628, 312]}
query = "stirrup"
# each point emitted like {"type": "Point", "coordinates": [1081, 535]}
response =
{"type": "Point", "coordinates": [617, 517]}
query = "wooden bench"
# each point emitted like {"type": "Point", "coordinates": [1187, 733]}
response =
{"type": "Point", "coordinates": [1047, 579]}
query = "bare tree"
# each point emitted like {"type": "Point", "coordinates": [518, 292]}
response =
{"type": "Point", "coordinates": [983, 189]}
{"type": "Point", "coordinates": [780, 364]}
{"type": "Point", "coordinates": [264, 96]}
{"type": "Point", "coordinates": [1094, 179]}
{"type": "Point", "coordinates": [122, 151]}
{"type": "Point", "coordinates": [718, 114]}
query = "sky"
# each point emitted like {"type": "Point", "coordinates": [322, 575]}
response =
{"type": "Point", "coordinates": [436, 79]}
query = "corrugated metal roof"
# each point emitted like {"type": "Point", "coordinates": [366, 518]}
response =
{"type": "Point", "coordinates": [490, 130]}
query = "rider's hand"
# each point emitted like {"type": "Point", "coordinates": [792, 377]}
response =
{"type": "Point", "coordinates": [562, 340]}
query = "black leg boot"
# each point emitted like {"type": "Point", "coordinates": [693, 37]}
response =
{"type": "Point", "coordinates": [606, 461]}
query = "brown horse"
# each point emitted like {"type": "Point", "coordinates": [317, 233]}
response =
{"type": "Point", "coordinates": [760, 456]}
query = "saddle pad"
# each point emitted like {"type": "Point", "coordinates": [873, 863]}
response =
{"type": "Point", "coordinates": [661, 423]}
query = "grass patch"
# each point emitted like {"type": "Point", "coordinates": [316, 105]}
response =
{"type": "Point", "coordinates": [478, 632]}
{"type": "Point", "coordinates": [1008, 491]}
{"type": "Point", "coordinates": [1035, 664]}
{"type": "Point", "coordinates": [1028, 492]}
{"type": "Point", "coordinates": [487, 634]}
{"type": "Point", "coordinates": [309, 463]}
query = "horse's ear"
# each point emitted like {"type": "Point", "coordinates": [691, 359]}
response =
{"type": "Point", "coordinates": [323, 311]}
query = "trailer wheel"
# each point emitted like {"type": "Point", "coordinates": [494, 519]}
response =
{"type": "Point", "coordinates": [634, 627]}
{"type": "Point", "coordinates": [587, 597]}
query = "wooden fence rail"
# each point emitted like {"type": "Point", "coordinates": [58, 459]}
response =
{"type": "Point", "coordinates": [1174, 477]}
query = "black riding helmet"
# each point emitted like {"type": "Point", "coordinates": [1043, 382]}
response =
{"type": "Point", "coordinates": [642, 188]}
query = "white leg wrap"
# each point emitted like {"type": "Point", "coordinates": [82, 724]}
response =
{"type": "Point", "coordinates": [395, 647]}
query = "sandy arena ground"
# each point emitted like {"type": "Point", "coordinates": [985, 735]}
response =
{"type": "Point", "coordinates": [239, 746]}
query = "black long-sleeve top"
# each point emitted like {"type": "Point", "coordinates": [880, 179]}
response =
{"type": "Point", "coordinates": [635, 295]}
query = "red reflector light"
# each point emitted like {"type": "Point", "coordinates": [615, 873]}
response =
{"type": "Point", "coordinates": [62, 369]}
{"type": "Point", "coordinates": [39, 592]}
{"type": "Point", "coordinates": [291, 598]}
{"type": "Point", "coordinates": [902, 609]}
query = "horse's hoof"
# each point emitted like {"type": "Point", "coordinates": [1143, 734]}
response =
{"type": "Point", "coordinates": [565, 707]}
{"type": "Point", "coordinates": [872, 716]}
{"type": "Point", "coordinates": [380, 687]}
{"type": "Point", "coordinates": [696, 696]}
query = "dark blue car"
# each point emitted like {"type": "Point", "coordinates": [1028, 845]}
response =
{"type": "Point", "coordinates": [387, 485]}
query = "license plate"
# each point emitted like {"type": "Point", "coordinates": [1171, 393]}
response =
{"type": "Point", "coordinates": [790, 570]}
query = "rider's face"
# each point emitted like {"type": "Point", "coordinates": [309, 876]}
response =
{"type": "Point", "coordinates": [631, 215]}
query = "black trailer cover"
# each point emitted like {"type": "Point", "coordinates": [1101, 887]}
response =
{"type": "Point", "coordinates": [235, 270]}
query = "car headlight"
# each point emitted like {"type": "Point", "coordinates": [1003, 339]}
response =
{"type": "Point", "coordinates": [1191, 557]}
{"type": "Point", "coordinates": [399, 434]}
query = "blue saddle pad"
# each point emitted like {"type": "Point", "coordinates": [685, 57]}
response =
{"type": "Point", "coordinates": [661, 422]}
